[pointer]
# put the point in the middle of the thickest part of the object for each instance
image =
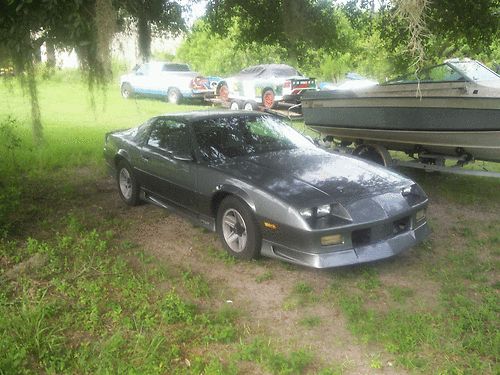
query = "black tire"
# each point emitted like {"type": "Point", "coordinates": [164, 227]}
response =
{"type": "Point", "coordinates": [127, 91]}
{"type": "Point", "coordinates": [249, 106]}
{"type": "Point", "coordinates": [253, 242]}
{"type": "Point", "coordinates": [125, 175]}
{"type": "Point", "coordinates": [369, 153]}
{"type": "Point", "coordinates": [174, 96]}
{"type": "Point", "coordinates": [223, 92]}
{"type": "Point", "coordinates": [235, 106]}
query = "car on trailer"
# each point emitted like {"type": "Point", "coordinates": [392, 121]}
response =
{"type": "Point", "coordinates": [264, 85]}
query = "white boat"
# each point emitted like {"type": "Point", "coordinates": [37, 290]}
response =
{"type": "Point", "coordinates": [451, 109]}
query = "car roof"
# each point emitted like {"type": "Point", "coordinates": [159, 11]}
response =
{"type": "Point", "coordinates": [269, 70]}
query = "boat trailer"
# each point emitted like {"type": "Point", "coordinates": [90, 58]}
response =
{"type": "Point", "coordinates": [426, 161]}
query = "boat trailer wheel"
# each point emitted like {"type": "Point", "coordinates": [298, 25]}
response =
{"type": "Point", "coordinates": [375, 153]}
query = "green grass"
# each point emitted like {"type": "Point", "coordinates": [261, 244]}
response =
{"type": "Point", "coordinates": [101, 304]}
{"type": "Point", "coordinates": [310, 321]}
{"type": "Point", "coordinates": [74, 129]}
{"type": "Point", "coordinates": [459, 334]}
{"type": "Point", "coordinates": [87, 310]}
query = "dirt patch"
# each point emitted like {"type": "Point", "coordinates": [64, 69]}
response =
{"type": "Point", "coordinates": [30, 265]}
{"type": "Point", "coordinates": [178, 244]}
{"type": "Point", "coordinates": [263, 302]}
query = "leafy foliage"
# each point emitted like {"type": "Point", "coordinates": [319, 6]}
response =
{"type": "Point", "coordinates": [86, 26]}
{"type": "Point", "coordinates": [294, 25]}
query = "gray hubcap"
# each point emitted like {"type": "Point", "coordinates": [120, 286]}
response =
{"type": "Point", "coordinates": [234, 230]}
{"type": "Point", "coordinates": [173, 97]}
{"type": "Point", "coordinates": [125, 183]}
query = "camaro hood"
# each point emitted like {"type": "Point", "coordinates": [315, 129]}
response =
{"type": "Point", "coordinates": [305, 178]}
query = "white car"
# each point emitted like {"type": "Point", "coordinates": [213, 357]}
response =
{"type": "Point", "coordinates": [173, 81]}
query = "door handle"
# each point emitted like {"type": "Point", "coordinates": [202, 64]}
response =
{"type": "Point", "coordinates": [145, 158]}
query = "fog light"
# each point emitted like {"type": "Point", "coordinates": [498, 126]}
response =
{"type": "Point", "coordinates": [420, 215]}
{"type": "Point", "coordinates": [334, 239]}
{"type": "Point", "coordinates": [306, 212]}
{"type": "Point", "coordinates": [323, 210]}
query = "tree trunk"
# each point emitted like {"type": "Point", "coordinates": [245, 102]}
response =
{"type": "Point", "coordinates": [36, 122]}
{"type": "Point", "coordinates": [144, 38]}
{"type": "Point", "coordinates": [51, 54]}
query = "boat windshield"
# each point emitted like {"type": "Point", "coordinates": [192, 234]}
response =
{"type": "Point", "coordinates": [475, 71]}
{"type": "Point", "coordinates": [452, 71]}
{"type": "Point", "coordinates": [439, 73]}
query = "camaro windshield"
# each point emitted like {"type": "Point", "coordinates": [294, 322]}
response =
{"type": "Point", "coordinates": [228, 137]}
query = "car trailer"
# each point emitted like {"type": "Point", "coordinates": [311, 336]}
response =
{"type": "Point", "coordinates": [288, 110]}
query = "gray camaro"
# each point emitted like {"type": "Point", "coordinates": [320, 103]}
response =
{"type": "Point", "coordinates": [266, 189]}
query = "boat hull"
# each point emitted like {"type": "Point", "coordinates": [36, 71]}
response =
{"type": "Point", "coordinates": [444, 125]}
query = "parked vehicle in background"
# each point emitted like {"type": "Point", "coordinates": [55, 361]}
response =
{"type": "Point", "coordinates": [172, 81]}
{"type": "Point", "coordinates": [352, 81]}
{"type": "Point", "coordinates": [267, 189]}
{"type": "Point", "coordinates": [266, 85]}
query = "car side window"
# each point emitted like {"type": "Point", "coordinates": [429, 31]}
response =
{"type": "Point", "coordinates": [143, 70]}
{"type": "Point", "coordinates": [170, 136]}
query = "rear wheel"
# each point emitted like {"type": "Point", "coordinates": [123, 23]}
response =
{"type": "Point", "coordinates": [223, 92]}
{"type": "Point", "coordinates": [237, 229]}
{"type": "Point", "coordinates": [128, 187]}
{"type": "Point", "coordinates": [127, 91]}
{"type": "Point", "coordinates": [370, 153]}
{"type": "Point", "coordinates": [249, 106]}
{"type": "Point", "coordinates": [235, 106]}
{"type": "Point", "coordinates": [174, 96]}
{"type": "Point", "coordinates": [268, 98]}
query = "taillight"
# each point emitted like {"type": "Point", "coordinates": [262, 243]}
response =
{"type": "Point", "coordinates": [199, 83]}
{"type": "Point", "coordinates": [287, 84]}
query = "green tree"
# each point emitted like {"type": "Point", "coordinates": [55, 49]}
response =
{"type": "Point", "coordinates": [213, 54]}
{"type": "Point", "coordinates": [295, 25]}
{"type": "Point", "coordinates": [85, 25]}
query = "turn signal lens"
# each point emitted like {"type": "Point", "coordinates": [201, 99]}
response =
{"type": "Point", "coordinates": [269, 225]}
{"type": "Point", "coordinates": [334, 239]}
{"type": "Point", "coordinates": [420, 215]}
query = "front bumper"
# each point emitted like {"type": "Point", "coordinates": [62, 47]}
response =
{"type": "Point", "coordinates": [357, 254]}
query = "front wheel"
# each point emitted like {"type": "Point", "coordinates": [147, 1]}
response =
{"type": "Point", "coordinates": [268, 99]}
{"type": "Point", "coordinates": [237, 229]}
{"type": "Point", "coordinates": [235, 106]}
{"type": "Point", "coordinates": [128, 187]}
